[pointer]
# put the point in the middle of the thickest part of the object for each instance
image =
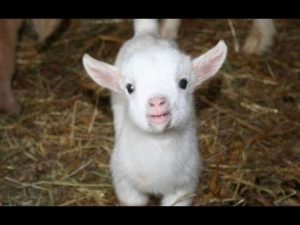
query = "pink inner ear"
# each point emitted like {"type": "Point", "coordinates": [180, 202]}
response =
{"type": "Point", "coordinates": [105, 77]}
{"type": "Point", "coordinates": [204, 68]}
{"type": "Point", "coordinates": [211, 65]}
{"type": "Point", "coordinates": [112, 81]}
{"type": "Point", "coordinates": [102, 73]}
{"type": "Point", "coordinates": [207, 66]}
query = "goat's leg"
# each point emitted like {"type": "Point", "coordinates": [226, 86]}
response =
{"type": "Point", "coordinates": [8, 38]}
{"type": "Point", "coordinates": [261, 36]}
{"type": "Point", "coordinates": [45, 27]}
{"type": "Point", "coordinates": [169, 28]}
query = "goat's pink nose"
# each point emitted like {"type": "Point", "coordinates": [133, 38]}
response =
{"type": "Point", "coordinates": [157, 102]}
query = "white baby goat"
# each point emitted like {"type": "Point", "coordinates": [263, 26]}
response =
{"type": "Point", "coordinates": [156, 146]}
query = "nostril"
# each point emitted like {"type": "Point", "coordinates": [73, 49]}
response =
{"type": "Point", "coordinates": [157, 102]}
{"type": "Point", "coordinates": [162, 102]}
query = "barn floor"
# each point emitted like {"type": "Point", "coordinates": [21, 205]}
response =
{"type": "Point", "coordinates": [57, 151]}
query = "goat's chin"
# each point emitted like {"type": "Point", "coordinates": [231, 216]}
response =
{"type": "Point", "coordinates": [158, 128]}
{"type": "Point", "coordinates": [171, 125]}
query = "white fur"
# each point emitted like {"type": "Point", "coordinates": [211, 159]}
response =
{"type": "Point", "coordinates": [158, 159]}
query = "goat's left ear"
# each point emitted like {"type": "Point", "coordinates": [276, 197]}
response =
{"type": "Point", "coordinates": [208, 64]}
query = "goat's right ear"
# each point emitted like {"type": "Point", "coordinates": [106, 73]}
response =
{"type": "Point", "coordinates": [102, 73]}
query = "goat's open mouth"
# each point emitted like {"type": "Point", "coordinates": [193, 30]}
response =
{"type": "Point", "coordinates": [159, 118]}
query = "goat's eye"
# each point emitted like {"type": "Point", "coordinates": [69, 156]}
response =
{"type": "Point", "coordinates": [130, 88]}
{"type": "Point", "coordinates": [183, 83]}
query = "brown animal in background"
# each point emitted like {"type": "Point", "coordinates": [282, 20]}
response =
{"type": "Point", "coordinates": [9, 30]}
{"type": "Point", "coordinates": [8, 38]}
